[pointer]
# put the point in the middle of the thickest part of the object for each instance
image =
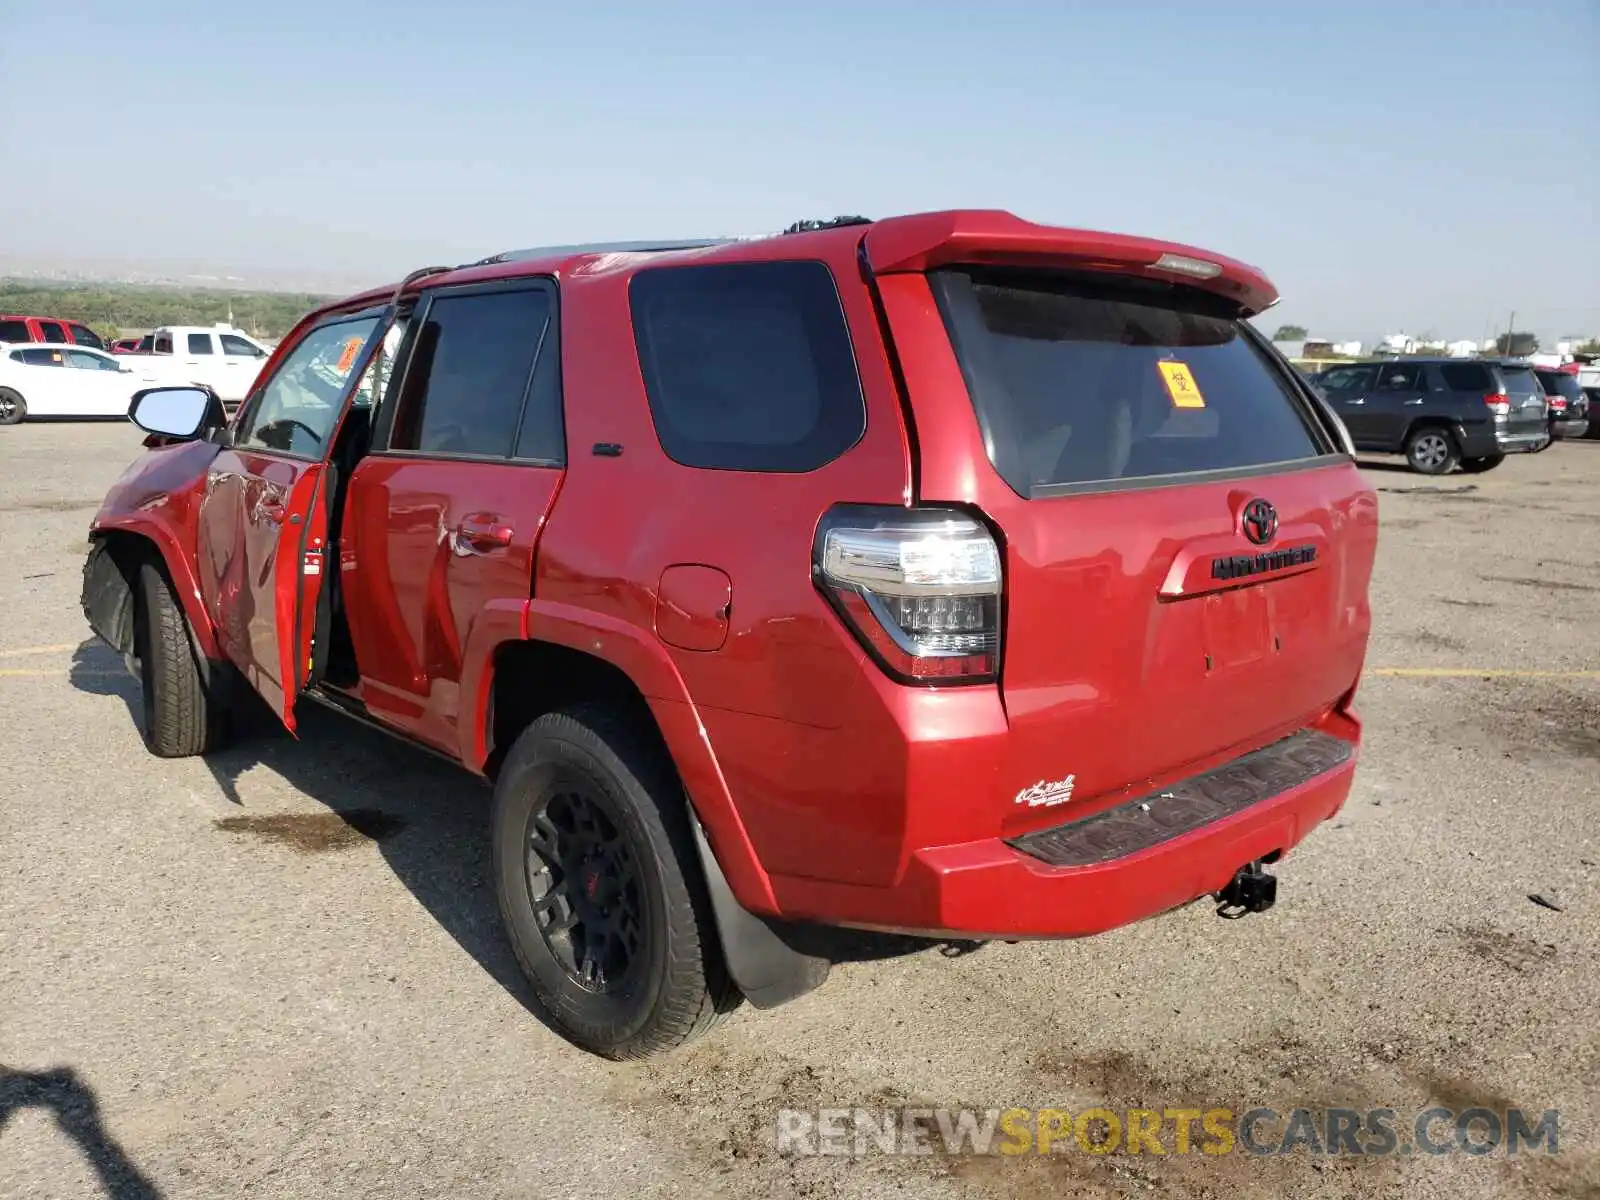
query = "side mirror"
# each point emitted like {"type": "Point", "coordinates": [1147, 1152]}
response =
{"type": "Point", "coordinates": [177, 412]}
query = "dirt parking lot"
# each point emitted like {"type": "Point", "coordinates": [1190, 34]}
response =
{"type": "Point", "coordinates": [279, 972]}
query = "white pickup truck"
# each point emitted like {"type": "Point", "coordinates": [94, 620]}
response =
{"type": "Point", "coordinates": [225, 359]}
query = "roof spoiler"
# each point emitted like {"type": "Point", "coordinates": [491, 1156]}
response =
{"type": "Point", "coordinates": [930, 240]}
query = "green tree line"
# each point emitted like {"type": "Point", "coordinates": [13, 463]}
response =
{"type": "Point", "coordinates": [108, 308]}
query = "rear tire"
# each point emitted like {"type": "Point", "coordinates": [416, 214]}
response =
{"type": "Point", "coordinates": [1432, 451]}
{"type": "Point", "coordinates": [601, 890]}
{"type": "Point", "coordinates": [180, 717]}
{"type": "Point", "coordinates": [13, 408]}
{"type": "Point", "coordinates": [1476, 466]}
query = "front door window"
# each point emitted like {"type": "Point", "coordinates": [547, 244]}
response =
{"type": "Point", "coordinates": [297, 410]}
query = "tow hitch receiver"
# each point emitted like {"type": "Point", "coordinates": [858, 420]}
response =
{"type": "Point", "coordinates": [1251, 890]}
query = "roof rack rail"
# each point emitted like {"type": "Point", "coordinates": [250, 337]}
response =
{"type": "Point", "coordinates": [828, 223]}
{"type": "Point", "coordinates": [420, 273]}
{"type": "Point", "coordinates": [642, 247]}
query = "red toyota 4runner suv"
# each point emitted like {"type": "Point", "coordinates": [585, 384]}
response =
{"type": "Point", "coordinates": [946, 574]}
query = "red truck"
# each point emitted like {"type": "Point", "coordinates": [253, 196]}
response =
{"type": "Point", "coordinates": [15, 327]}
{"type": "Point", "coordinates": [946, 574]}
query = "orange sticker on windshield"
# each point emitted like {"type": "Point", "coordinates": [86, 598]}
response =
{"type": "Point", "coordinates": [347, 357]}
{"type": "Point", "coordinates": [1181, 386]}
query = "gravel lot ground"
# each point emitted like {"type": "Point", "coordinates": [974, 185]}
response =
{"type": "Point", "coordinates": [280, 972]}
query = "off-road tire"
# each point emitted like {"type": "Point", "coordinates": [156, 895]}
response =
{"type": "Point", "coordinates": [1432, 450]}
{"type": "Point", "coordinates": [1476, 466]}
{"type": "Point", "coordinates": [181, 718]}
{"type": "Point", "coordinates": [680, 987]}
{"type": "Point", "coordinates": [13, 408]}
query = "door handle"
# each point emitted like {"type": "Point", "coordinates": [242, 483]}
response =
{"type": "Point", "coordinates": [1356, 400]}
{"type": "Point", "coordinates": [479, 534]}
{"type": "Point", "coordinates": [1418, 400]}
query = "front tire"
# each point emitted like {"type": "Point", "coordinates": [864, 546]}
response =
{"type": "Point", "coordinates": [1432, 451]}
{"type": "Point", "coordinates": [13, 408]}
{"type": "Point", "coordinates": [1476, 466]}
{"type": "Point", "coordinates": [600, 887]}
{"type": "Point", "coordinates": [181, 718]}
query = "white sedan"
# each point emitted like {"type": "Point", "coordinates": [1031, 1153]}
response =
{"type": "Point", "coordinates": [61, 380]}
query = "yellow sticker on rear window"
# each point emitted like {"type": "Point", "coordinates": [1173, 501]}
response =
{"type": "Point", "coordinates": [347, 356]}
{"type": "Point", "coordinates": [1181, 386]}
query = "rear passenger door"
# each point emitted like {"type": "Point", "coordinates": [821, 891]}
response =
{"type": "Point", "coordinates": [444, 515]}
{"type": "Point", "coordinates": [1395, 401]}
{"type": "Point", "coordinates": [1346, 389]}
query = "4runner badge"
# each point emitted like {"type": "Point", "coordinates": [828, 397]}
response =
{"type": "Point", "coordinates": [1047, 792]}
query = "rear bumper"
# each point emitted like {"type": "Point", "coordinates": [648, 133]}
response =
{"type": "Point", "coordinates": [1570, 427]}
{"type": "Point", "coordinates": [1522, 443]}
{"type": "Point", "coordinates": [999, 888]}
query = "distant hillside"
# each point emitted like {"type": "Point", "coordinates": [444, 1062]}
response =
{"type": "Point", "coordinates": [109, 308]}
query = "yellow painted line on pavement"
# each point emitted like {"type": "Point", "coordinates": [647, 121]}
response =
{"type": "Point", "coordinates": [1478, 673]}
{"type": "Point", "coordinates": [26, 650]}
{"type": "Point", "coordinates": [43, 672]}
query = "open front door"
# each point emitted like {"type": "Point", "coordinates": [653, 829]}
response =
{"type": "Point", "coordinates": [262, 527]}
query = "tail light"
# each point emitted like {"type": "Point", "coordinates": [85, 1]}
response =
{"type": "Point", "coordinates": [919, 587]}
{"type": "Point", "coordinates": [1499, 403]}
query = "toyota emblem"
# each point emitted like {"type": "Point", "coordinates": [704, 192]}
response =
{"type": "Point", "coordinates": [1259, 521]}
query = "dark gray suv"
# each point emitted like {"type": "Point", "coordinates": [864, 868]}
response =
{"type": "Point", "coordinates": [1440, 412]}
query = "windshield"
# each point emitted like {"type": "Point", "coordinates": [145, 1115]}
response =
{"type": "Point", "coordinates": [1083, 381]}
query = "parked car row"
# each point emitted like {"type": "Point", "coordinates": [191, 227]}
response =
{"type": "Point", "coordinates": [95, 384]}
{"type": "Point", "coordinates": [1442, 413]}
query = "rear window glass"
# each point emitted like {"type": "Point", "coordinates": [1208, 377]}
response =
{"type": "Point", "coordinates": [1079, 382]}
{"type": "Point", "coordinates": [1560, 383]}
{"type": "Point", "coordinates": [1519, 380]}
{"type": "Point", "coordinates": [748, 366]}
{"type": "Point", "coordinates": [1467, 377]}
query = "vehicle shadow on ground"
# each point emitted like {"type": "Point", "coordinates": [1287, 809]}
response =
{"type": "Point", "coordinates": [77, 1113]}
{"type": "Point", "coordinates": [429, 818]}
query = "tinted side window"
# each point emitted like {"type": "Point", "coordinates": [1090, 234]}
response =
{"type": "Point", "coordinates": [232, 343]}
{"type": "Point", "coordinates": [748, 366]}
{"type": "Point", "coordinates": [85, 336]}
{"type": "Point", "coordinates": [1467, 377]}
{"type": "Point", "coordinates": [199, 343]}
{"type": "Point", "coordinates": [470, 369]}
{"type": "Point", "coordinates": [14, 331]}
{"type": "Point", "coordinates": [146, 344]}
{"type": "Point", "coordinates": [163, 343]}
{"type": "Point", "coordinates": [83, 360]}
{"type": "Point", "coordinates": [1400, 377]}
{"type": "Point", "coordinates": [1346, 379]}
{"type": "Point", "coordinates": [40, 358]}
{"type": "Point", "coordinates": [51, 331]}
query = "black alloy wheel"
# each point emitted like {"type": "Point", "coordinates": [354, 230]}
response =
{"type": "Point", "coordinates": [584, 886]}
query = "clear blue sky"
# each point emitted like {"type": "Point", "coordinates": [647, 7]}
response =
{"type": "Point", "coordinates": [1391, 163]}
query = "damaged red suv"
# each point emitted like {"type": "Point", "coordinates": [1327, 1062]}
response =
{"type": "Point", "coordinates": [946, 574]}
